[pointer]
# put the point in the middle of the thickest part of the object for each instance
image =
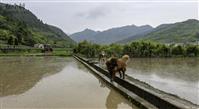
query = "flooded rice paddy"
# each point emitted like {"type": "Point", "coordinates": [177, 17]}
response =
{"type": "Point", "coordinates": [179, 76]}
{"type": "Point", "coordinates": [54, 82]}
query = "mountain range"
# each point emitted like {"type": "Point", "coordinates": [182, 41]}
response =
{"type": "Point", "coordinates": [179, 32]}
{"type": "Point", "coordinates": [111, 35]}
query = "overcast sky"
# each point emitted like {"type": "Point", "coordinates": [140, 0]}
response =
{"type": "Point", "coordinates": [76, 15]}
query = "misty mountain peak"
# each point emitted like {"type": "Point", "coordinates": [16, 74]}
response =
{"type": "Point", "coordinates": [87, 29]}
{"type": "Point", "coordinates": [192, 20]}
{"type": "Point", "coordinates": [146, 26]}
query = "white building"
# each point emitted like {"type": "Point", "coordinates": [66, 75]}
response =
{"type": "Point", "coordinates": [39, 46]}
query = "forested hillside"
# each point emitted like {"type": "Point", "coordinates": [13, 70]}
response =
{"type": "Point", "coordinates": [21, 25]}
{"type": "Point", "coordinates": [180, 32]}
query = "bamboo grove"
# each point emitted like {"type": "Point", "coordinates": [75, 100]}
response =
{"type": "Point", "coordinates": [138, 49]}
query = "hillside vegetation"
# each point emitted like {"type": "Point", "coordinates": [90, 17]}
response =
{"type": "Point", "coordinates": [21, 26]}
{"type": "Point", "coordinates": [180, 32]}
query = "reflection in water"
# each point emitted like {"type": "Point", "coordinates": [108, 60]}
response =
{"type": "Point", "coordinates": [112, 100]}
{"type": "Point", "coordinates": [19, 74]}
{"type": "Point", "coordinates": [178, 76]}
{"type": "Point", "coordinates": [39, 82]}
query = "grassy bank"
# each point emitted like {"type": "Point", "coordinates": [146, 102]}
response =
{"type": "Point", "coordinates": [37, 52]}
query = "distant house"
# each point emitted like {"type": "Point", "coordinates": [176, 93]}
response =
{"type": "Point", "coordinates": [39, 46]}
{"type": "Point", "coordinates": [174, 44]}
{"type": "Point", "coordinates": [168, 44]}
{"type": "Point", "coordinates": [197, 43]}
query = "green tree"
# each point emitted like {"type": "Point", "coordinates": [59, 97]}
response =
{"type": "Point", "coordinates": [10, 41]}
{"type": "Point", "coordinates": [127, 50]}
{"type": "Point", "coordinates": [115, 49]}
{"type": "Point", "coordinates": [135, 48]}
{"type": "Point", "coordinates": [85, 48]}
{"type": "Point", "coordinates": [16, 42]}
{"type": "Point", "coordinates": [162, 50]}
{"type": "Point", "coordinates": [178, 50]}
{"type": "Point", "coordinates": [192, 50]}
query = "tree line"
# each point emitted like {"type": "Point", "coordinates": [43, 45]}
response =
{"type": "Point", "coordinates": [138, 49]}
{"type": "Point", "coordinates": [15, 32]}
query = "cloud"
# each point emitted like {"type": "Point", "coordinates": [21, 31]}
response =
{"type": "Point", "coordinates": [95, 13]}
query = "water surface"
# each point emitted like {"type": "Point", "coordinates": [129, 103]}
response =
{"type": "Point", "coordinates": [53, 82]}
{"type": "Point", "coordinates": [179, 76]}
